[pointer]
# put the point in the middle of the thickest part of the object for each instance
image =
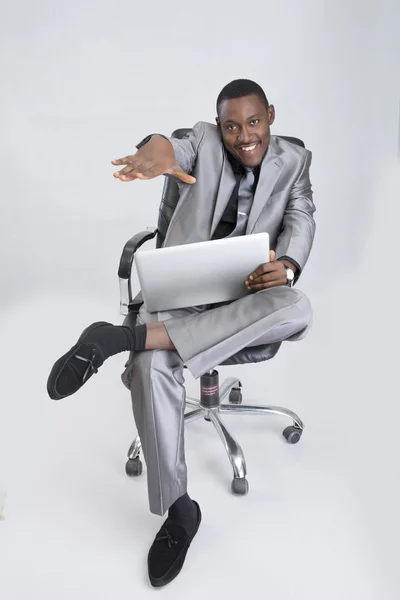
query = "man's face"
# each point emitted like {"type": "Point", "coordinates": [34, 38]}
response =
{"type": "Point", "coordinates": [244, 126]}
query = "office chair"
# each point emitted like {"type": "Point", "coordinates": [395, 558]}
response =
{"type": "Point", "coordinates": [212, 402]}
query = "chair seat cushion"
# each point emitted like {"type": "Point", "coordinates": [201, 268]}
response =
{"type": "Point", "coordinates": [253, 354]}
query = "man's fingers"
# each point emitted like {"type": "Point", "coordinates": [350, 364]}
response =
{"type": "Point", "coordinates": [145, 171]}
{"type": "Point", "coordinates": [266, 268]}
{"type": "Point", "coordinates": [131, 177]}
{"type": "Point", "coordinates": [148, 170]}
{"type": "Point", "coordinates": [255, 287]}
{"type": "Point", "coordinates": [266, 278]}
{"type": "Point", "coordinates": [124, 161]}
{"type": "Point", "coordinates": [265, 281]}
{"type": "Point", "coordinates": [261, 286]}
{"type": "Point", "coordinates": [186, 178]}
{"type": "Point", "coordinates": [128, 176]}
{"type": "Point", "coordinates": [135, 175]}
{"type": "Point", "coordinates": [128, 170]}
{"type": "Point", "coordinates": [138, 171]}
{"type": "Point", "coordinates": [142, 174]}
{"type": "Point", "coordinates": [176, 171]}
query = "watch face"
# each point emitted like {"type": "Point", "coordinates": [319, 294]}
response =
{"type": "Point", "coordinates": [289, 274]}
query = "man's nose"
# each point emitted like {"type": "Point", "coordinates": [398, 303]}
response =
{"type": "Point", "coordinates": [244, 135]}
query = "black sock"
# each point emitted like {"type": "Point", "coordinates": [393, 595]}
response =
{"type": "Point", "coordinates": [120, 338]}
{"type": "Point", "coordinates": [184, 511]}
{"type": "Point", "coordinates": [114, 339]}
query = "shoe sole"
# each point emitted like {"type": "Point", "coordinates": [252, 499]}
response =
{"type": "Point", "coordinates": [160, 582]}
{"type": "Point", "coordinates": [61, 362]}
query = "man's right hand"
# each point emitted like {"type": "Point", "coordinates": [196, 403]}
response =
{"type": "Point", "coordinates": [155, 158]}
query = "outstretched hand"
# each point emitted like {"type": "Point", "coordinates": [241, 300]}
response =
{"type": "Point", "coordinates": [135, 168]}
{"type": "Point", "coordinates": [155, 158]}
{"type": "Point", "coordinates": [268, 275]}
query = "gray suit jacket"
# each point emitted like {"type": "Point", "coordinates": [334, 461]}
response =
{"type": "Point", "coordinates": [283, 203]}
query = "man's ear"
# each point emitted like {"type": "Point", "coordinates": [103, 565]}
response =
{"type": "Point", "coordinates": [271, 114]}
{"type": "Point", "coordinates": [218, 123]}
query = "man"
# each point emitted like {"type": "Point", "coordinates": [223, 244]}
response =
{"type": "Point", "coordinates": [235, 179]}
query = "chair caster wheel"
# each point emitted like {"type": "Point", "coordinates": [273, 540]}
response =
{"type": "Point", "coordinates": [240, 486]}
{"type": "Point", "coordinates": [235, 396]}
{"type": "Point", "coordinates": [292, 434]}
{"type": "Point", "coordinates": [134, 467]}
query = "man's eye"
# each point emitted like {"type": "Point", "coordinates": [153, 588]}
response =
{"type": "Point", "coordinates": [231, 127]}
{"type": "Point", "coordinates": [254, 121]}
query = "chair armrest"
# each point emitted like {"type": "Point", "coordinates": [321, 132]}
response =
{"type": "Point", "coordinates": [125, 269]}
{"type": "Point", "coordinates": [127, 256]}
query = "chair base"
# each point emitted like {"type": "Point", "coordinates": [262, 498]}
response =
{"type": "Point", "coordinates": [211, 406]}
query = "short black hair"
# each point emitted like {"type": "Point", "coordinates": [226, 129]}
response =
{"type": "Point", "coordinates": [240, 88]}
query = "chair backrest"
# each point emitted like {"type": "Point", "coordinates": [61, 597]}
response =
{"type": "Point", "coordinates": [170, 193]}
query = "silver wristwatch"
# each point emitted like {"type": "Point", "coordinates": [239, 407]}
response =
{"type": "Point", "coordinates": [289, 276]}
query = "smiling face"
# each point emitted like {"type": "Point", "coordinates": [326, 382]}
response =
{"type": "Point", "coordinates": [244, 126]}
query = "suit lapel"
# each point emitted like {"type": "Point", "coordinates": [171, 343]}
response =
{"type": "Point", "coordinates": [270, 171]}
{"type": "Point", "coordinates": [226, 186]}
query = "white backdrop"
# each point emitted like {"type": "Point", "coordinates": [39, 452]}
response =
{"type": "Point", "coordinates": [81, 84]}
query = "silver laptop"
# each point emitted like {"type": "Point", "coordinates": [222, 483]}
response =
{"type": "Point", "coordinates": [199, 273]}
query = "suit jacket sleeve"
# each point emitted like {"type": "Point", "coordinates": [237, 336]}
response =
{"type": "Point", "coordinates": [298, 227]}
{"type": "Point", "coordinates": [187, 147]}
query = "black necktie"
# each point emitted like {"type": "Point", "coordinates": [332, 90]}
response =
{"type": "Point", "coordinates": [245, 200]}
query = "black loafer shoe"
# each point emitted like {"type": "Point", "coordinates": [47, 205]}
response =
{"type": "Point", "coordinates": [168, 552]}
{"type": "Point", "coordinates": [73, 370]}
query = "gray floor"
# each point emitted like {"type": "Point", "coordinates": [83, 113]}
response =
{"type": "Point", "coordinates": [320, 520]}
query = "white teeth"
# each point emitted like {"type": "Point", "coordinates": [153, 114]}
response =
{"type": "Point", "coordinates": [249, 148]}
